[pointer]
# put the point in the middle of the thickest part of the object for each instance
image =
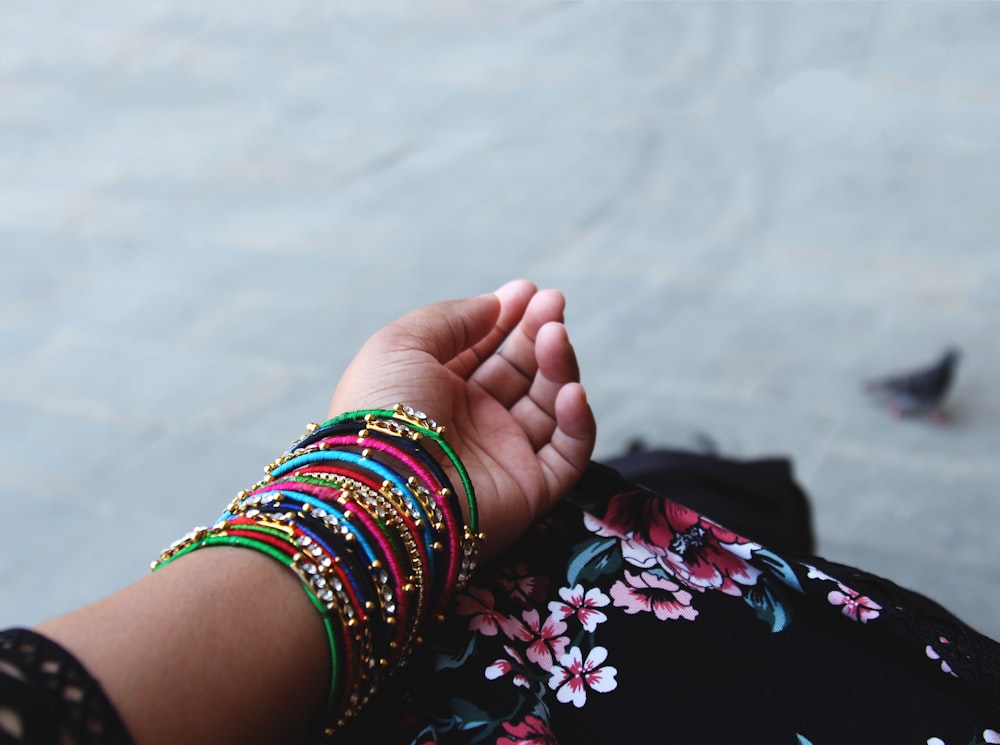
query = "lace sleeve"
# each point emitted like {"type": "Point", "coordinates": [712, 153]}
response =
{"type": "Point", "coordinates": [48, 697]}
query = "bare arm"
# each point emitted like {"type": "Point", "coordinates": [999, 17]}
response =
{"type": "Point", "coordinates": [224, 646]}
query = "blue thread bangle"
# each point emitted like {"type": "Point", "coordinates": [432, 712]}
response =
{"type": "Point", "coordinates": [368, 464]}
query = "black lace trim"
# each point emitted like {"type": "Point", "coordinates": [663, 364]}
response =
{"type": "Point", "coordinates": [973, 658]}
{"type": "Point", "coordinates": [46, 696]}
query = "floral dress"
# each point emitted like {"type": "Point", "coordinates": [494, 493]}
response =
{"type": "Point", "coordinates": [625, 616]}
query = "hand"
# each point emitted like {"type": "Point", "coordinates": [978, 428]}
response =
{"type": "Point", "coordinates": [498, 371]}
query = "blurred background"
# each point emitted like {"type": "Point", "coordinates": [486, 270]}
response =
{"type": "Point", "coordinates": [206, 207]}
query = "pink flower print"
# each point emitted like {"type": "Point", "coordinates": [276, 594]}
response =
{"type": "Point", "coordinates": [610, 527]}
{"type": "Point", "coordinates": [547, 641]}
{"type": "Point", "coordinates": [478, 603]}
{"type": "Point", "coordinates": [501, 667]}
{"type": "Point", "coordinates": [702, 554]}
{"type": "Point", "coordinates": [573, 675]}
{"type": "Point", "coordinates": [639, 554]}
{"type": "Point", "coordinates": [857, 607]}
{"type": "Point", "coordinates": [532, 731]}
{"type": "Point", "coordinates": [933, 654]}
{"type": "Point", "coordinates": [582, 605]}
{"type": "Point", "coordinates": [523, 587]}
{"type": "Point", "coordinates": [647, 592]}
{"type": "Point", "coordinates": [815, 573]}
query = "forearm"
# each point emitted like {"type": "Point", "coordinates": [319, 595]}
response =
{"type": "Point", "coordinates": [220, 646]}
{"type": "Point", "coordinates": [357, 541]}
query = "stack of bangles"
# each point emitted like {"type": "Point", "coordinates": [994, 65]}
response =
{"type": "Point", "coordinates": [371, 524]}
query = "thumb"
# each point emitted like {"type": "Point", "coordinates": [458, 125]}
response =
{"type": "Point", "coordinates": [444, 329]}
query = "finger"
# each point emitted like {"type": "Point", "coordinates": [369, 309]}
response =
{"type": "Point", "coordinates": [564, 458]}
{"type": "Point", "coordinates": [507, 375]}
{"type": "Point", "coordinates": [514, 298]}
{"type": "Point", "coordinates": [393, 364]}
{"type": "Point", "coordinates": [444, 330]}
{"type": "Point", "coordinates": [535, 411]}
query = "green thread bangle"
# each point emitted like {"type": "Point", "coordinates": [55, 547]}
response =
{"type": "Point", "coordinates": [357, 662]}
{"type": "Point", "coordinates": [399, 414]}
{"type": "Point", "coordinates": [336, 684]}
{"type": "Point", "coordinates": [258, 528]}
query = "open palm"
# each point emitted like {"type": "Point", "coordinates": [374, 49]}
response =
{"type": "Point", "coordinates": [499, 373]}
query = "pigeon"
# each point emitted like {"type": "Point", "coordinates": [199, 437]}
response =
{"type": "Point", "coordinates": [918, 392]}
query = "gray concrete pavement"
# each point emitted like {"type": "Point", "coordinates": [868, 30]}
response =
{"type": "Point", "coordinates": [750, 207]}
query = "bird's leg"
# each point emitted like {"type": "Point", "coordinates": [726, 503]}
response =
{"type": "Point", "coordinates": [939, 416]}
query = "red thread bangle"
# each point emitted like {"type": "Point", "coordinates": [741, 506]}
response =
{"type": "Point", "coordinates": [401, 455]}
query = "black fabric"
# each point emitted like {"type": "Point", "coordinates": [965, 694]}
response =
{"type": "Point", "coordinates": [627, 616]}
{"type": "Point", "coordinates": [758, 499]}
{"type": "Point", "coordinates": [46, 695]}
{"type": "Point", "coordinates": [793, 650]}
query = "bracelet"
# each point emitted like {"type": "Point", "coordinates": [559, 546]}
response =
{"type": "Point", "coordinates": [407, 422]}
{"type": "Point", "coordinates": [371, 526]}
{"type": "Point", "coordinates": [369, 502]}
